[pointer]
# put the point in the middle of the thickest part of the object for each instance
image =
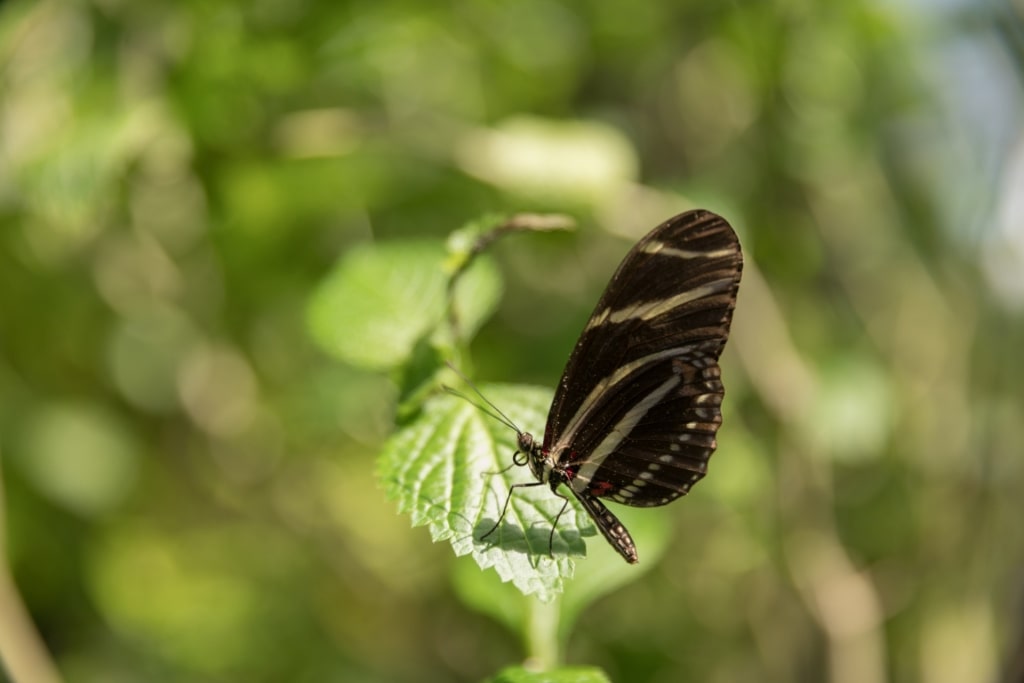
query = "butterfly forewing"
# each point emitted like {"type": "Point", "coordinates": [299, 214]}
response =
{"type": "Point", "coordinates": [635, 414]}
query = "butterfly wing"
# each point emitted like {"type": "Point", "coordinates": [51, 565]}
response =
{"type": "Point", "coordinates": [635, 414]}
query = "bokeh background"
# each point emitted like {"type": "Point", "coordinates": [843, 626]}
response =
{"type": "Point", "coordinates": [189, 479]}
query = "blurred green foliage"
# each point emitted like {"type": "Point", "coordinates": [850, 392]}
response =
{"type": "Point", "coordinates": [189, 478]}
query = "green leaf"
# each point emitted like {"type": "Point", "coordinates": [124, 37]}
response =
{"type": "Point", "coordinates": [443, 468]}
{"type": "Point", "coordinates": [604, 572]}
{"type": "Point", "coordinates": [477, 295]}
{"type": "Point", "coordinates": [378, 301]}
{"type": "Point", "coordinates": [381, 300]}
{"type": "Point", "coordinates": [418, 379]}
{"type": "Point", "coordinates": [566, 674]}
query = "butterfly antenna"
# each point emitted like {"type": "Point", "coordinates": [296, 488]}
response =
{"type": "Point", "coordinates": [494, 411]}
{"type": "Point", "coordinates": [496, 414]}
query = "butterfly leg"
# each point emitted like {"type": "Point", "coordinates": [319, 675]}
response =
{"type": "Point", "coordinates": [554, 525]}
{"type": "Point", "coordinates": [508, 499]}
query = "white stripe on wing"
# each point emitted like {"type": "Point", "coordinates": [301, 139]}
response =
{"type": "Point", "coordinates": [621, 430]}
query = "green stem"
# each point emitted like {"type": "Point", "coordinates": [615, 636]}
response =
{"type": "Point", "coordinates": [22, 651]}
{"type": "Point", "coordinates": [542, 642]}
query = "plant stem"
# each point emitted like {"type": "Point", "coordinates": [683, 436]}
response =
{"type": "Point", "coordinates": [22, 651]}
{"type": "Point", "coordinates": [542, 644]}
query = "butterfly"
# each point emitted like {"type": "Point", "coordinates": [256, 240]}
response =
{"type": "Point", "coordinates": [636, 412]}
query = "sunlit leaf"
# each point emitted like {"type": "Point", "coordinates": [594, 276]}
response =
{"type": "Point", "coordinates": [379, 300]}
{"type": "Point", "coordinates": [443, 470]}
{"type": "Point", "coordinates": [601, 573]}
{"type": "Point", "coordinates": [382, 299]}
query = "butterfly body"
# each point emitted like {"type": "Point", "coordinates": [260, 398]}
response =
{"type": "Point", "coordinates": [635, 415]}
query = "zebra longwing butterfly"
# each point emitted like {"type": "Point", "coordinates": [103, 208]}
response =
{"type": "Point", "coordinates": [635, 415]}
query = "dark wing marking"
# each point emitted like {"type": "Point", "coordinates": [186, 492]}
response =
{"type": "Point", "coordinates": [666, 452]}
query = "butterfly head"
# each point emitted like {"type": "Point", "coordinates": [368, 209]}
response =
{"type": "Point", "coordinates": [534, 456]}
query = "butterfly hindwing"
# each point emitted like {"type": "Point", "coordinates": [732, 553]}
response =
{"type": "Point", "coordinates": [667, 450]}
